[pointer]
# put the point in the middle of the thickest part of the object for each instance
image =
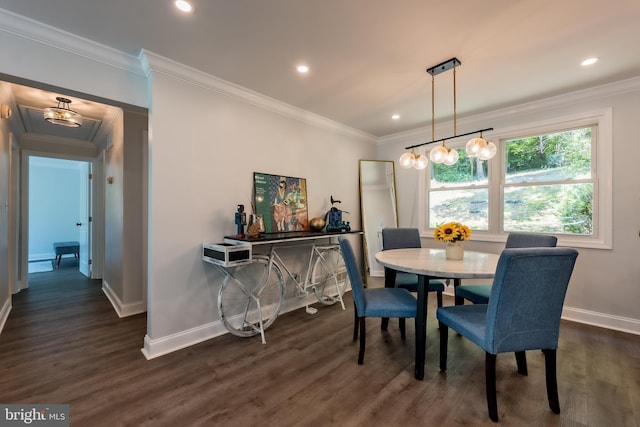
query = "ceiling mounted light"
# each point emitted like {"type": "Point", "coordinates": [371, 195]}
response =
{"type": "Point", "coordinates": [63, 115]}
{"type": "Point", "coordinates": [184, 6]}
{"type": "Point", "coordinates": [482, 149]}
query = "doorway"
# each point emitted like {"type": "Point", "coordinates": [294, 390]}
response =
{"type": "Point", "coordinates": [59, 214]}
{"type": "Point", "coordinates": [56, 205]}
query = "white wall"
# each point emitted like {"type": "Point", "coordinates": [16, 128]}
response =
{"type": "Point", "coordinates": [123, 200]}
{"type": "Point", "coordinates": [5, 274]}
{"type": "Point", "coordinates": [113, 280]}
{"type": "Point", "coordinates": [605, 286]}
{"type": "Point", "coordinates": [204, 147]}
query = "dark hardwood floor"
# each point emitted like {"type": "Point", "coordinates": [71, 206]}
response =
{"type": "Point", "coordinates": [63, 343]}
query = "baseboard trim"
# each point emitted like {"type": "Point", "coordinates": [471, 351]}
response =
{"type": "Point", "coordinates": [168, 344]}
{"type": "Point", "coordinates": [594, 318]}
{"type": "Point", "coordinates": [4, 313]}
{"type": "Point", "coordinates": [607, 321]}
{"type": "Point", "coordinates": [159, 347]}
{"type": "Point", "coordinates": [123, 310]}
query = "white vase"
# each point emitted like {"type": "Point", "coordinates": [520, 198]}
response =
{"type": "Point", "coordinates": [455, 251]}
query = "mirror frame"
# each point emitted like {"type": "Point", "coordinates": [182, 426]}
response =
{"type": "Point", "coordinates": [372, 237]}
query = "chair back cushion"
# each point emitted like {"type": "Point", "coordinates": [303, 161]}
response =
{"type": "Point", "coordinates": [357, 285]}
{"type": "Point", "coordinates": [527, 298]}
{"type": "Point", "coordinates": [399, 238]}
{"type": "Point", "coordinates": [530, 240]}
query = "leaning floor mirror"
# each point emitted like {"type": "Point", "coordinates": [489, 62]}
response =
{"type": "Point", "coordinates": [378, 207]}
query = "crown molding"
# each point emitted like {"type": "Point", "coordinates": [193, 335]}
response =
{"type": "Point", "coordinates": [584, 95]}
{"type": "Point", "coordinates": [558, 101]}
{"type": "Point", "coordinates": [153, 63]}
{"type": "Point", "coordinates": [39, 32]}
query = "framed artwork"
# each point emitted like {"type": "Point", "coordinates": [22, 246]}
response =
{"type": "Point", "coordinates": [282, 202]}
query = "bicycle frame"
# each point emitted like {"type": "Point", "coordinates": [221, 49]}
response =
{"type": "Point", "coordinates": [301, 286]}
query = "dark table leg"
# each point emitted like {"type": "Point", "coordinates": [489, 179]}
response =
{"type": "Point", "coordinates": [421, 326]}
{"type": "Point", "coordinates": [458, 300]}
{"type": "Point", "coordinates": [389, 282]}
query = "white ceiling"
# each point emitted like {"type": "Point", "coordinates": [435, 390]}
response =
{"type": "Point", "coordinates": [368, 57]}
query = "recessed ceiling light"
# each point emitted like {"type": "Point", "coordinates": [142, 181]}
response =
{"type": "Point", "coordinates": [395, 116]}
{"type": "Point", "coordinates": [184, 6]}
{"type": "Point", "coordinates": [303, 69]}
{"type": "Point", "coordinates": [589, 61]}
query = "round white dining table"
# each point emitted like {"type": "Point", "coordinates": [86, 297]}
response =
{"type": "Point", "coordinates": [429, 264]}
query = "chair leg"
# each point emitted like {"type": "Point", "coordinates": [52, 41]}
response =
{"type": "Point", "coordinates": [355, 322]}
{"type": "Point", "coordinates": [402, 322]}
{"type": "Point", "coordinates": [444, 342]}
{"type": "Point", "coordinates": [521, 360]}
{"type": "Point", "coordinates": [552, 383]}
{"type": "Point", "coordinates": [363, 339]}
{"type": "Point", "coordinates": [490, 375]}
{"type": "Point", "coordinates": [439, 298]}
{"type": "Point", "coordinates": [384, 324]}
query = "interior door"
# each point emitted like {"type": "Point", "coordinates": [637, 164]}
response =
{"type": "Point", "coordinates": [84, 219]}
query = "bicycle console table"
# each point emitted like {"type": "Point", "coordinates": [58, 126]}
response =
{"type": "Point", "coordinates": [290, 236]}
{"type": "Point", "coordinates": [252, 292]}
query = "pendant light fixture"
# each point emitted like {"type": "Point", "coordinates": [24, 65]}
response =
{"type": "Point", "coordinates": [476, 147]}
{"type": "Point", "coordinates": [63, 115]}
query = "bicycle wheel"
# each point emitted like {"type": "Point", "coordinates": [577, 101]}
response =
{"type": "Point", "coordinates": [329, 278]}
{"type": "Point", "coordinates": [253, 294]}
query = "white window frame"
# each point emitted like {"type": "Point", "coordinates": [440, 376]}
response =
{"type": "Point", "coordinates": [602, 169]}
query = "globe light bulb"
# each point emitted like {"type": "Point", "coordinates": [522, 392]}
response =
{"type": "Point", "coordinates": [437, 155]}
{"type": "Point", "coordinates": [451, 158]}
{"type": "Point", "coordinates": [407, 160]}
{"type": "Point", "coordinates": [488, 151]}
{"type": "Point", "coordinates": [474, 146]}
{"type": "Point", "coordinates": [421, 162]}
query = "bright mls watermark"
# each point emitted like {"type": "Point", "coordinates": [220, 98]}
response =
{"type": "Point", "coordinates": [34, 415]}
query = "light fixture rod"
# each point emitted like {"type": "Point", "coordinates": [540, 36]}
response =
{"type": "Point", "coordinates": [451, 137]}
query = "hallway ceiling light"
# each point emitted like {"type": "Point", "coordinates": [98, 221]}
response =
{"type": "Point", "coordinates": [476, 147]}
{"type": "Point", "coordinates": [63, 115]}
{"type": "Point", "coordinates": [589, 61]}
{"type": "Point", "coordinates": [184, 6]}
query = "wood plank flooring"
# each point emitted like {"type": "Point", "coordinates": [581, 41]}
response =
{"type": "Point", "coordinates": [63, 343]}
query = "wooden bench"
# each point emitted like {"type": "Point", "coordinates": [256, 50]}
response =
{"type": "Point", "coordinates": [63, 248]}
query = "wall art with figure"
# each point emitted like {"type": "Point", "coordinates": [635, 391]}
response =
{"type": "Point", "coordinates": [282, 202]}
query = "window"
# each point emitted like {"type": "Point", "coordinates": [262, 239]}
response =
{"type": "Point", "coordinates": [549, 178]}
{"type": "Point", "coordinates": [548, 183]}
{"type": "Point", "coordinates": [460, 193]}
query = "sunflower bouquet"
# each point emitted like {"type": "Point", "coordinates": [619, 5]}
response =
{"type": "Point", "coordinates": [452, 232]}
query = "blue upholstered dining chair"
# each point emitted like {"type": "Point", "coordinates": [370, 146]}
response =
{"type": "Point", "coordinates": [523, 313]}
{"type": "Point", "coordinates": [374, 302]}
{"type": "Point", "coordinates": [479, 294]}
{"type": "Point", "coordinates": [400, 238]}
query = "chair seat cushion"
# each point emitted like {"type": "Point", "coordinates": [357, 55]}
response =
{"type": "Point", "coordinates": [469, 320]}
{"type": "Point", "coordinates": [409, 282]}
{"type": "Point", "coordinates": [389, 302]}
{"type": "Point", "coordinates": [477, 294]}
